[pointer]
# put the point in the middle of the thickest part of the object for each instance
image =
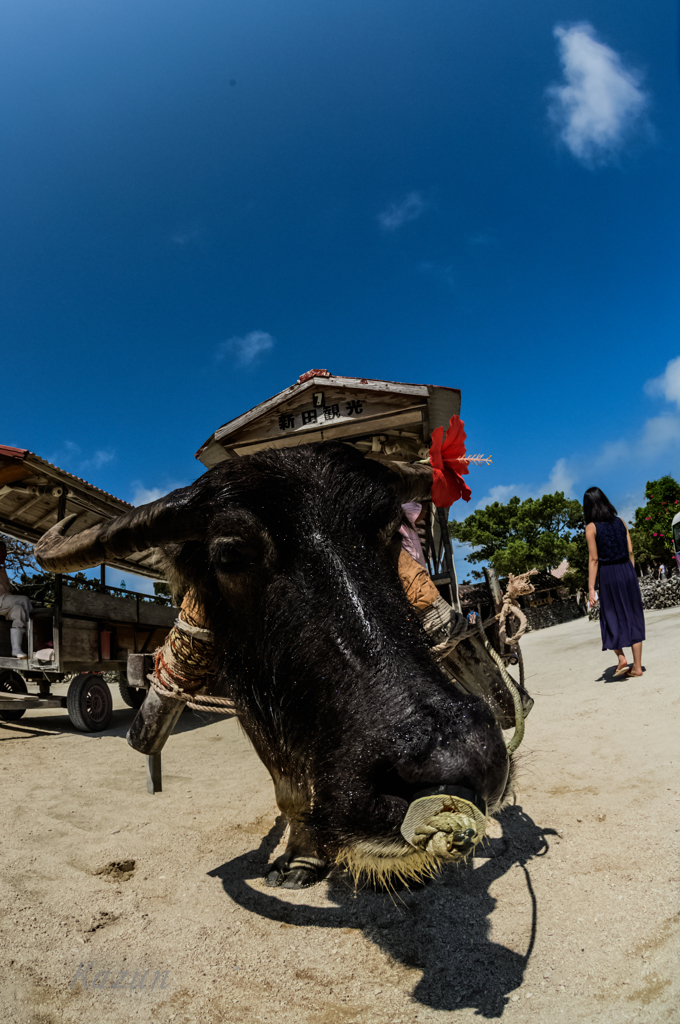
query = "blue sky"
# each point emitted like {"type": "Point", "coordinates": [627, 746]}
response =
{"type": "Point", "coordinates": [202, 200]}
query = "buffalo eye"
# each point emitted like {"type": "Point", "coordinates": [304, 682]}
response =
{"type": "Point", "coordinates": [232, 554]}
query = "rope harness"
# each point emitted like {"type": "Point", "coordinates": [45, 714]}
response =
{"type": "Point", "coordinates": [185, 664]}
{"type": "Point", "coordinates": [447, 823]}
{"type": "Point", "coordinates": [518, 586]}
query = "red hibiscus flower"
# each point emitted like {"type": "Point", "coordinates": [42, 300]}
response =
{"type": "Point", "coordinates": [448, 467]}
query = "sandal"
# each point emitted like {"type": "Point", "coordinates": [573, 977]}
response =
{"type": "Point", "coordinates": [621, 672]}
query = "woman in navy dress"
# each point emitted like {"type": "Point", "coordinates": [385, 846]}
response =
{"type": "Point", "coordinates": [610, 551]}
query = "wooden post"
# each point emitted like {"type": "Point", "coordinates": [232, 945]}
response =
{"type": "Point", "coordinates": [149, 731]}
{"type": "Point", "coordinates": [154, 722]}
{"type": "Point", "coordinates": [495, 588]}
{"type": "Point", "coordinates": [154, 775]}
{"type": "Point", "coordinates": [497, 597]}
{"type": "Point", "coordinates": [58, 593]}
{"type": "Point", "coordinates": [443, 521]}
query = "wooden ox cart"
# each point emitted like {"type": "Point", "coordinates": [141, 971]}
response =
{"type": "Point", "coordinates": [73, 631]}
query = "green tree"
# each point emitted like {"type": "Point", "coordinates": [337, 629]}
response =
{"type": "Point", "coordinates": [20, 558]}
{"type": "Point", "coordinates": [521, 535]}
{"type": "Point", "coordinates": [651, 528]}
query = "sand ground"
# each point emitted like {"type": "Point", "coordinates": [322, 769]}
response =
{"type": "Point", "coordinates": [569, 914]}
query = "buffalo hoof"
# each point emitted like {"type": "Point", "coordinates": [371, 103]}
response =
{"type": "Point", "coordinates": [293, 873]}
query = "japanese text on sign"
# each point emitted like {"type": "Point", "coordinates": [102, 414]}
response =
{"type": "Point", "coordinates": [322, 414]}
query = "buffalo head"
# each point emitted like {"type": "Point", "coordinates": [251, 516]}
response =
{"type": "Point", "coordinates": [293, 555]}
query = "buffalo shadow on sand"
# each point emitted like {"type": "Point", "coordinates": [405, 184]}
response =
{"type": "Point", "coordinates": [440, 927]}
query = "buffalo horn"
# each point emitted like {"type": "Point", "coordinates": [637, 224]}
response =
{"type": "Point", "coordinates": [148, 526]}
{"type": "Point", "coordinates": [411, 480]}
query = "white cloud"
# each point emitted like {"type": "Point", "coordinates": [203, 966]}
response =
{"type": "Point", "coordinates": [503, 493]}
{"type": "Point", "coordinates": [100, 458]}
{"type": "Point", "coordinates": [142, 495]}
{"type": "Point", "coordinates": [72, 458]}
{"type": "Point", "coordinates": [145, 495]}
{"type": "Point", "coordinates": [628, 506]}
{"type": "Point", "coordinates": [668, 384]}
{"type": "Point", "coordinates": [601, 104]}
{"type": "Point", "coordinates": [561, 478]}
{"type": "Point", "coordinates": [659, 435]}
{"type": "Point", "coordinates": [397, 214]}
{"type": "Point", "coordinates": [246, 349]}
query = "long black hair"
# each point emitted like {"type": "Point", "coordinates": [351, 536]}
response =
{"type": "Point", "coordinates": [597, 508]}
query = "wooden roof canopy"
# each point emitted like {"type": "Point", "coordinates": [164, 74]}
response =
{"type": "Point", "coordinates": [381, 417]}
{"type": "Point", "coordinates": [30, 492]}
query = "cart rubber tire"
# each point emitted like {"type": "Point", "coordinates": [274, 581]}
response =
{"type": "Point", "coordinates": [10, 682]}
{"type": "Point", "coordinates": [134, 696]}
{"type": "Point", "coordinates": [89, 702]}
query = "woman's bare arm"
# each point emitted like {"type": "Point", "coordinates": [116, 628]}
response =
{"type": "Point", "coordinates": [593, 560]}
{"type": "Point", "coordinates": [630, 545]}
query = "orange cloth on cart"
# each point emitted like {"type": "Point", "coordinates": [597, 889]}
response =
{"type": "Point", "coordinates": [420, 590]}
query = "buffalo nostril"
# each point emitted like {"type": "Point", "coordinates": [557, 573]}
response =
{"type": "Point", "coordinates": [464, 840]}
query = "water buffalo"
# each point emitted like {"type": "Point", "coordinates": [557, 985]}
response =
{"type": "Point", "coordinates": [293, 555]}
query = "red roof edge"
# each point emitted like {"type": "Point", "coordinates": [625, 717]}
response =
{"type": "Point", "coordinates": [7, 452]}
{"type": "Point", "coordinates": [313, 373]}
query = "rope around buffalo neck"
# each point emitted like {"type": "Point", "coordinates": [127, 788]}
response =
{"type": "Point", "coordinates": [182, 664]}
{"type": "Point", "coordinates": [514, 693]}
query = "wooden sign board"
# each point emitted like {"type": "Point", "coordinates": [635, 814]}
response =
{"type": "Point", "coordinates": [381, 416]}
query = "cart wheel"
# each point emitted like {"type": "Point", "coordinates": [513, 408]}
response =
{"type": "Point", "coordinates": [89, 703]}
{"type": "Point", "coordinates": [134, 696]}
{"type": "Point", "coordinates": [10, 682]}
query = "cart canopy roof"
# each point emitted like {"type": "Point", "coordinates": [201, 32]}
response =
{"type": "Point", "coordinates": [30, 491]}
{"type": "Point", "coordinates": [380, 416]}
